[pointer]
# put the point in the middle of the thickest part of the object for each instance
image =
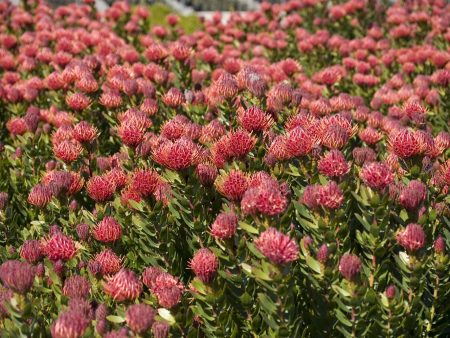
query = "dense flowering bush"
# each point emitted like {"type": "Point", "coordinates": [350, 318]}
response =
{"type": "Point", "coordinates": [282, 174]}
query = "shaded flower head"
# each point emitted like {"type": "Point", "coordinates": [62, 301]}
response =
{"type": "Point", "coordinates": [349, 266]}
{"type": "Point", "coordinates": [70, 324]}
{"type": "Point", "coordinates": [17, 276]}
{"type": "Point", "coordinates": [140, 317]}
{"type": "Point", "coordinates": [31, 251]}
{"type": "Point", "coordinates": [76, 286]}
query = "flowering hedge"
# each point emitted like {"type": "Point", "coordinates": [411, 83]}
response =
{"type": "Point", "coordinates": [283, 174]}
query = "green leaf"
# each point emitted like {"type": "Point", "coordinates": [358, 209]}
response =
{"type": "Point", "coordinates": [115, 319]}
{"type": "Point", "coordinates": [167, 316]}
{"type": "Point", "coordinates": [313, 264]}
{"type": "Point", "coordinates": [266, 303]}
{"type": "Point", "coordinates": [342, 318]}
{"type": "Point", "coordinates": [248, 228]}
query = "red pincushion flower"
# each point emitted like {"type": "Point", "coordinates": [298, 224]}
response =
{"type": "Point", "coordinates": [232, 185]}
{"type": "Point", "coordinates": [333, 164]}
{"type": "Point", "coordinates": [110, 99]}
{"type": "Point", "coordinates": [277, 247]}
{"type": "Point", "coordinates": [17, 126]}
{"type": "Point", "coordinates": [118, 177]}
{"type": "Point", "coordinates": [140, 317]}
{"type": "Point", "coordinates": [444, 171]}
{"type": "Point", "coordinates": [31, 251]}
{"type": "Point", "coordinates": [173, 98]}
{"type": "Point", "coordinates": [168, 297]}
{"type": "Point", "coordinates": [174, 129]}
{"type": "Point", "coordinates": [405, 144]}
{"type": "Point", "coordinates": [40, 195]}
{"type": "Point", "coordinates": [413, 194]}
{"type": "Point", "coordinates": [204, 264]}
{"type": "Point", "coordinates": [68, 150]}
{"type": "Point", "coordinates": [330, 196]}
{"type": "Point", "coordinates": [310, 196]}
{"type": "Point", "coordinates": [17, 276]}
{"type": "Point", "coordinates": [124, 285]}
{"type": "Point", "coordinates": [225, 225]}
{"type": "Point", "coordinates": [77, 101]}
{"type": "Point", "coordinates": [376, 175]}
{"type": "Point", "coordinates": [442, 142]}
{"type": "Point", "coordinates": [298, 142]}
{"type": "Point", "coordinates": [70, 324]}
{"type": "Point", "coordinates": [130, 195]}
{"type": "Point", "coordinates": [278, 148]}
{"type": "Point", "coordinates": [254, 119]}
{"type": "Point", "coordinates": [349, 266]}
{"type": "Point", "coordinates": [144, 182]}
{"type": "Point", "coordinates": [177, 155]}
{"type": "Point", "coordinates": [412, 238]}
{"type": "Point", "coordinates": [370, 136]}
{"type": "Point", "coordinates": [76, 287]}
{"type": "Point", "coordinates": [226, 86]}
{"type": "Point", "coordinates": [149, 276]}
{"type": "Point", "coordinates": [59, 247]}
{"type": "Point", "coordinates": [322, 254]}
{"type": "Point", "coordinates": [131, 132]}
{"type": "Point", "coordinates": [108, 230]}
{"type": "Point", "coordinates": [109, 262]}
{"type": "Point", "coordinates": [166, 287]}
{"type": "Point", "coordinates": [266, 199]}
{"type": "Point", "coordinates": [76, 183]}
{"type": "Point", "coordinates": [439, 245]}
{"type": "Point", "coordinates": [240, 143]}
{"type": "Point", "coordinates": [160, 329]}
{"type": "Point", "coordinates": [212, 132]}
{"type": "Point", "coordinates": [82, 230]}
{"type": "Point", "coordinates": [100, 189]}
{"type": "Point", "coordinates": [363, 155]}
{"type": "Point", "coordinates": [181, 51]}
{"type": "Point", "coordinates": [335, 137]}
{"type": "Point", "coordinates": [163, 192]}
{"type": "Point", "coordinates": [84, 132]}
{"type": "Point", "coordinates": [206, 173]}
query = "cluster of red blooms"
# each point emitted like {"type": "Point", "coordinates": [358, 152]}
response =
{"type": "Point", "coordinates": [124, 118]}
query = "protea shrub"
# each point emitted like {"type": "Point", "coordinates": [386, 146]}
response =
{"type": "Point", "coordinates": [282, 172]}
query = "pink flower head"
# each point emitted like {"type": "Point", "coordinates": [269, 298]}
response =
{"type": "Point", "coordinates": [277, 247]}
{"type": "Point", "coordinates": [412, 238]}
{"type": "Point", "coordinates": [333, 164]}
{"type": "Point", "coordinates": [100, 189]}
{"type": "Point", "coordinates": [124, 285]}
{"type": "Point", "coordinates": [376, 175]}
{"type": "Point", "coordinates": [330, 196]}
{"type": "Point", "coordinates": [204, 264]}
{"type": "Point", "coordinates": [232, 185]}
{"type": "Point", "coordinates": [108, 230]}
{"type": "Point", "coordinates": [59, 247]}
{"type": "Point", "coordinates": [225, 225]}
{"type": "Point", "coordinates": [140, 317]}
{"type": "Point", "coordinates": [349, 266]}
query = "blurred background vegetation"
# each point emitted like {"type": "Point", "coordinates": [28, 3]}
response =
{"type": "Point", "coordinates": [159, 12]}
